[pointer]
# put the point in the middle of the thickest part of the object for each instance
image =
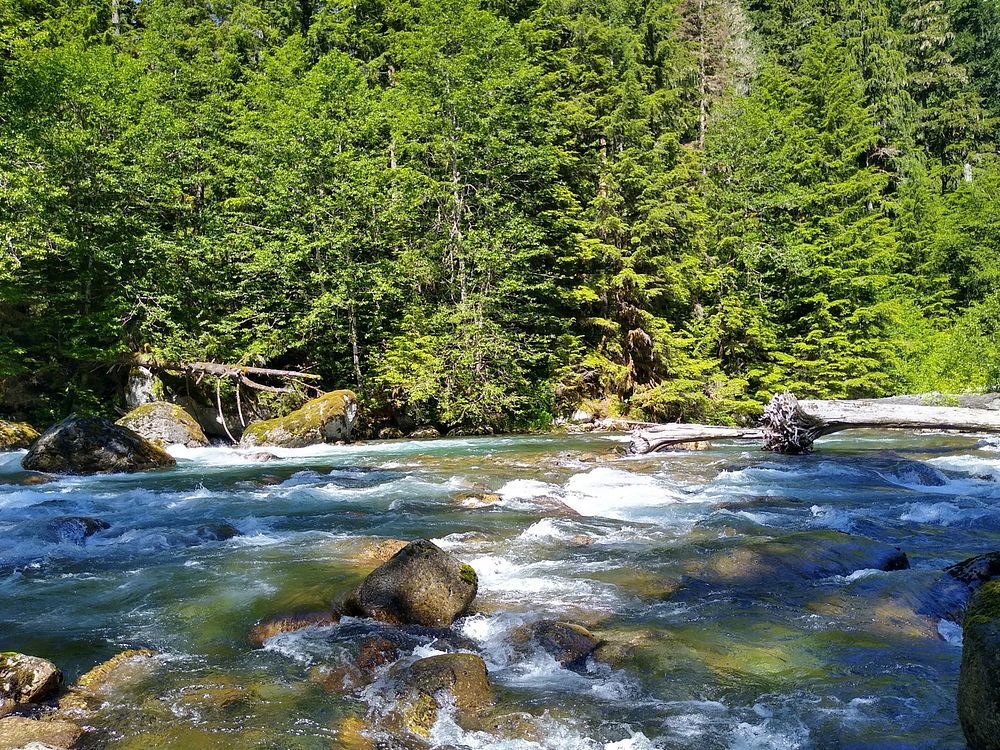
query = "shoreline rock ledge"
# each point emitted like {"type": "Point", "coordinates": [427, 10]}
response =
{"type": "Point", "coordinates": [92, 445]}
{"type": "Point", "coordinates": [979, 681]}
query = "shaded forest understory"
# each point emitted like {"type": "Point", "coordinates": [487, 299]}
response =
{"type": "Point", "coordinates": [489, 212]}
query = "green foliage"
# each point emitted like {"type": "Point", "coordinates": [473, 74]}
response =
{"type": "Point", "coordinates": [482, 214]}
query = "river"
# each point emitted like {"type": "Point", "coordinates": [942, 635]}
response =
{"type": "Point", "coordinates": [728, 623]}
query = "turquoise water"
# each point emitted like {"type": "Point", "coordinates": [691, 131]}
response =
{"type": "Point", "coordinates": [728, 622]}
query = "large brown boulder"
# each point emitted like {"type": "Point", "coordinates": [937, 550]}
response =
{"type": "Point", "coordinates": [19, 733]}
{"type": "Point", "coordinates": [91, 445]}
{"type": "Point", "coordinates": [25, 679]}
{"type": "Point", "coordinates": [326, 419]}
{"type": "Point", "coordinates": [568, 643]}
{"type": "Point", "coordinates": [979, 682]}
{"type": "Point", "coordinates": [163, 423]}
{"type": "Point", "coordinates": [420, 585]}
{"type": "Point", "coordinates": [16, 435]}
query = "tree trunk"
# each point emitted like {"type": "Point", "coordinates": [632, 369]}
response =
{"type": "Point", "coordinates": [792, 426]}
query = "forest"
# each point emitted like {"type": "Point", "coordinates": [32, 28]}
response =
{"type": "Point", "coordinates": [487, 213]}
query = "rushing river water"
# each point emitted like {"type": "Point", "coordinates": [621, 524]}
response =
{"type": "Point", "coordinates": [729, 623]}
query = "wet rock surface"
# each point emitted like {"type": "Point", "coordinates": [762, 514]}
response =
{"type": "Point", "coordinates": [326, 419]}
{"type": "Point", "coordinates": [91, 445]}
{"type": "Point", "coordinates": [26, 679]}
{"type": "Point", "coordinates": [979, 682]}
{"type": "Point", "coordinates": [19, 733]}
{"type": "Point", "coordinates": [16, 435]}
{"type": "Point", "coordinates": [164, 424]}
{"type": "Point", "coordinates": [420, 585]}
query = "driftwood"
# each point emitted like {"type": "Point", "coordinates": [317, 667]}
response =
{"type": "Point", "coordinates": [792, 426]}
{"type": "Point", "coordinates": [666, 435]}
{"type": "Point", "coordinates": [240, 373]}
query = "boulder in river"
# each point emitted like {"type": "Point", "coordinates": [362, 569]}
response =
{"type": "Point", "coordinates": [19, 733]}
{"type": "Point", "coordinates": [164, 423]}
{"type": "Point", "coordinates": [25, 679]}
{"type": "Point", "coordinates": [420, 585]}
{"type": "Point", "coordinates": [422, 433]}
{"type": "Point", "coordinates": [420, 688]}
{"type": "Point", "coordinates": [16, 435]}
{"type": "Point", "coordinates": [92, 445]}
{"type": "Point", "coordinates": [976, 570]}
{"type": "Point", "coordinates": [74, 529]}
{"type": "Point", "coordinates": [326, 419]}
{"type": "Point", "coordinates": [568, 643]}
{"type": "Point", "coordinates": [979, 681]}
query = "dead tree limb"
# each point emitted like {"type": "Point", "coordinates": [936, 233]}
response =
{"type": "Point", "coordinates": [664, 436]}
{"type": "Point", "coordinates": [220, 370]}
{"type": "Point", "coordinates": [792, 426]}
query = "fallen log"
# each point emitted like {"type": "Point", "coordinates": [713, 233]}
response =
{"type": "Point", "coordinates": [663, 436]}
{"type": "Point", "coordinates": [792, 426]}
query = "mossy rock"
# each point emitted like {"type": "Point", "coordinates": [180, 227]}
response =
{"type": "Point", "coordinates": [15, 436]}
{"type": "Point", "coordinates": [326, 419]}
{"type": "Point", "coordinates": [17, 733]}
{"type": "Point", "coordinates": [420, 585]}
{"type": "Point", "coordinates": [95, 687]}
{"type": "Point", "coordinates": [92, 445]}
{"type": "Point", "coordinates": [979, 681]}
{"type": "Point", "coordinates": [421, 685]}
{"type": "Point", "coordinates": [25, 679]}
{"type": "Point", "coordinates": [163, 423]}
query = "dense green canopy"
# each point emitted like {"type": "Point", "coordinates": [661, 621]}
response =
{"type": "Point", "coordinates": [487, 212]}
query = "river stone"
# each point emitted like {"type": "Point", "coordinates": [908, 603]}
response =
{"type": "Point", "coordinates": [19, 733]}
{"type": "Point", "coordinates": [422, 433]}
{"type": "Point", "coordinates": [74, 529]}
{"type": "Point", "coordinates": [806, 555]}
{"type": "Point", "coordinates": [289, 624]}
{"type": "Point", "coordinates": [379, 551]}
{"type": "Point", "coordinates": [216, 532]}
{"type": "Point", "coordinates": [91, 445]}
{"type": "Point", "coordinates": [98, 685]}
{"type": "Point", "coordinates": [420, 585]}
{"type": "Point", "coordinates": [25, 679]}
{"type": "Point", "coordinates": [974, 571]}
{"type": "Point", "coordinates": [568, 643]}
{"type": "Point", "coordinates": [16, 435]}
{"type": "Point", "coordinates": [326, 419]}
{"type": "Point", "coordinates": [420, 686]}
{"type": "Point", "coordinates": [979, 681]}
{"type": "Point", "coordinates": [163, 423]}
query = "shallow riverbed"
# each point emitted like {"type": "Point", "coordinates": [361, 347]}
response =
{"type": "Point", "coordinates": [726, 625]}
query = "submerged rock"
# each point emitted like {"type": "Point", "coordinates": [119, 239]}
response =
{"type": "Point", "coordinates": [808, 555]}
{"type": "Point", "coordinates": [979, 681]}
{"type": "Point", "coordinates": [326, 419]}
{"type": "Point", "coordinates": [421, 688]}
{"type": "Point", "coordinates": [74, 529]}
{"type": "Point", "coordinates": [91, 445]}
{"type": "Point", "coordinates": [217, 532]}
{"type": "Point", "coordinates": [164, 423]}
{"type": "Point", "coordinates": [25, 679]}
{"type": "Point", "coordinates": [379, 551]}
{"type": "Point", "coordinates": [568, 643]}
{"type": "Point", "coordinates": [96, 687]}
{"type": "Point", "coordinates": [289, 624]}
{"type": "Point", "coordinates": [420, 585]}
{"type": "Point", "coordinates": [19, 733]}
{"type": "Point", "coordinates": [16, 435]}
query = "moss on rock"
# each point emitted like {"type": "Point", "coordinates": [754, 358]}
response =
{"type": "Point", "coordinates": [16, 435]}
{"type": "Point", "coordinates": [164, 423]}
{"type": "Point", "coordinates": [979, 681]}
{"type": "Point", "coordinates": [328, 418]}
